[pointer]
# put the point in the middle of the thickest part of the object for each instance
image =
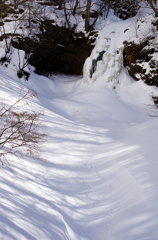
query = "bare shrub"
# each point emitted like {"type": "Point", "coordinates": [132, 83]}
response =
{"type": "Point", "coordinates": [19, 130]}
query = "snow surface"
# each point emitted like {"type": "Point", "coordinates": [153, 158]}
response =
{"type": "Point", "coordinates": [98, 174]}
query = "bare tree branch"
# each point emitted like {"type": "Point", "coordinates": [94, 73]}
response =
{"type": "Point", "coordinates": [19, 130]}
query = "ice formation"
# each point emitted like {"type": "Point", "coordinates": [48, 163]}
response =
{"type": "Point", "coordinates": [107, 63]}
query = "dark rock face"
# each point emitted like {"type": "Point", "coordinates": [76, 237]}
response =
{"type": "Point", "coordinates": [140, 63]}
{"type": "Point", "coordinates": [59, 50]}
{"type": "Point", "coordinates": [125, 9]}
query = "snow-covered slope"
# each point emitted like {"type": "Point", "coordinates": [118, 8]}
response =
{"type": "Point", "coordinates": [98, 176]}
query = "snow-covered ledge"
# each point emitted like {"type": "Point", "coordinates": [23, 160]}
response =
{"type": "Point", "coordinates": [107, 62]}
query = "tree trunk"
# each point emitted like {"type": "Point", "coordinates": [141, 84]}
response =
{"type": "Point", "coordinates": [76, 4]}
{"type": "Point", "coordinates": [60, 4]}
{"type": "Point", "coordinates": [87, 15]}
